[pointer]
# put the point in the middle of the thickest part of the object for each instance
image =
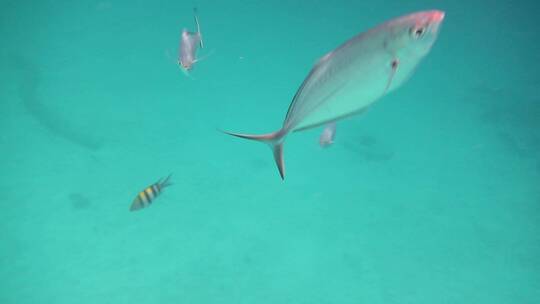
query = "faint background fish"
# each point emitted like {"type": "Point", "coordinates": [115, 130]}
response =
{"type": "Point", "coordinates": [327, 135]}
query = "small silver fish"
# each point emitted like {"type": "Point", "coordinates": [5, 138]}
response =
{"type": "Point", "coordinates": [327, 135]}
{"type": "Point", "coordinates": [346, 81]}
{"type": "Point", "coordinates": [189, 44]}
{"type": "Point", "coordinates": [147, 196]}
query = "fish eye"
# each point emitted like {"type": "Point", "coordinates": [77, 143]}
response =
{"type": "Point", "coordinates": [417, 32]}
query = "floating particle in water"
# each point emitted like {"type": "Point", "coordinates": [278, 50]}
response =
{"type": "Point", "coordinates": [369, 149]}
{"type": "Point", "coordinates": [247, 259]}
{"type": "Point", "coordinates": [103, 5]}
{"type": "Point", "coordinates": [259, 163]}
{"type": "Point", "coordinates": [368, 141]}
{"type": "Point", "coordinates": [79, 201]}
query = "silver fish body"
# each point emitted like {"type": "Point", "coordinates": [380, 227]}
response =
{"type": "Point", "coordinates": [350, 78]}
{"type": "Point", "coordinates": [189, 45]}
{"type": "Point", "coordinates": [360, 71]}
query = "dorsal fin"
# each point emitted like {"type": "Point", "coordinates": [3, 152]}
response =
{"type": "Point", "coordinates": [198, 27]}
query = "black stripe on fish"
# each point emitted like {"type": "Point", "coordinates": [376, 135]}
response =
{"type": "Point", "coordinates": [151, 193]}
{"type": "Point", "coordinates": [145, 198]}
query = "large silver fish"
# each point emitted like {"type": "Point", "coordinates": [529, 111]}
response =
{"type": "Point", "coordinates": [350, 78]}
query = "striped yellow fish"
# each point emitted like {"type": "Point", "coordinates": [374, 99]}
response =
{"type": "Point", "coordinates": [145, 197]}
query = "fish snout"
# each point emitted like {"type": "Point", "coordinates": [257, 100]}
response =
{"type": "Point", "coordinates": [435, 19]}
{"type": "Point", "coordinates": [436, 16]}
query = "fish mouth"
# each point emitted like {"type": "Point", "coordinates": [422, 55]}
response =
{"type": "Point", "coordinates": [435, 19]}
{"type": "Point", "coordinates": [436, 16]}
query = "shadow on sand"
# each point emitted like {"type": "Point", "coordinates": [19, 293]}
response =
{"type": "Point", "coordinates": [55, 123]}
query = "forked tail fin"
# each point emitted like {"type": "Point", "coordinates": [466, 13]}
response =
{"type": "Point", "coordinates": [166, 182]}
{"type": "Point", "coordinates": [274, 141]}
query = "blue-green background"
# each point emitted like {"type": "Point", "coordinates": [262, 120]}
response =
{"type": "Point", "coordinates": [432, 196]}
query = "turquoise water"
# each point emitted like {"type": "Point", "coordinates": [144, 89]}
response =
{"type": "Point", "coordinates": [432, 196]}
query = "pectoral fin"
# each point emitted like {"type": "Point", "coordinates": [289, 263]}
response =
{"type": "Point", "coordinates": [394, 66]}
